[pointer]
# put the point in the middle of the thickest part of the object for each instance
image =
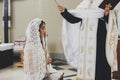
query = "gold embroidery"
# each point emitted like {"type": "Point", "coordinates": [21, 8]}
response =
{"type": "Point", "coordinates": [91, 1]}
{"type": "Point", "coordinates": [108, 5]}
{"type": "Point", "coordinates": [90, 50]}
{"type": "Point", "coordinates": [112, 45]}
{"type": "Point", "coordinates": [80, 71]}
{"type": "Point", "coordinates": [77, 78]}
{"type": "Point", "coordinates": [89, 72]}
{"type": "Point", "coordinates": [91, 27]}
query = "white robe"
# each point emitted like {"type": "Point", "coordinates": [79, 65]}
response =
{"type": "Point", "coordinates": [117, 10]}
{"type": "Point", "coordinates": [79, 41]}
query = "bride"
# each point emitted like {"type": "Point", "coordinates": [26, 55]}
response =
{"type": "Point", "coordinates": [37, 63]}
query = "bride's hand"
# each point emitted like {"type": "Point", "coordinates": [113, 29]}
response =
{"type": "Point", "coordinates": [49, 60]}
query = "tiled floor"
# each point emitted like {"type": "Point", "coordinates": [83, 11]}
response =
{"type": "Point", "coordinates": [69, 72]}
{"type": "Point", "coordinates": [11, 73]}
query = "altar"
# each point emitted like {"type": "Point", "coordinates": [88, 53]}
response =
{"type": "Point", "coordinates": [6, 54]}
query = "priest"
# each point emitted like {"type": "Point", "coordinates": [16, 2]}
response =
{"type": "Point", "coordinates": [90, 39]}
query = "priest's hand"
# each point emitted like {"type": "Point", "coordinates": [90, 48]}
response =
{"type": "Point", "coordinates": [107, 10]}
{"type": "Point", "coordinates": [61, 8]}
{"type": "Point", "coordinates": [49, 60]}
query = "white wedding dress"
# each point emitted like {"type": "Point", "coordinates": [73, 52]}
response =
{"type": "Point", "coordinates": [35, 66]}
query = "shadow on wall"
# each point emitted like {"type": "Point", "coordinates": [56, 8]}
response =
{"type": "Point", "coordinates": [18, 0]}
{"type": "Point", "coordinates": [53, 52]}
{"type": "Point", "coordinates": [52, 47]}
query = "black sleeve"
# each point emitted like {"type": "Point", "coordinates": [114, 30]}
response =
{"type": "Point", "coordinates": [69, 17]}
{"type": "Point", "coordinates": [105, 18]}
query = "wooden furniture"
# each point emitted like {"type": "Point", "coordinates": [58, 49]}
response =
{"type": "Point", "coordinates": [116, 74]}
{"type": "Point", "coordinates": [6, 54]}
{"type": "Point", "coordinates": [18, 46]}
{"type": "Point", "coordinates": [20, 64]}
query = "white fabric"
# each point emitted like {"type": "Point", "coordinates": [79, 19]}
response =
{"type": "Point", "coordinates": [87, 4]}
{"type": "Point", "coordinates": [117, 10]}
{"type": "Point", "coordinates": [82, 12]}
{"type": "Point", "coordinates": [79, 40]}
{"type": "Point", "coordinates": [111, 41]}
{"type": "Point", "coordinates": [54, 74]}
{"type": "Point", "coordinates": [6, 46]}
{"type": "Point", "coordinates": [34, 56]}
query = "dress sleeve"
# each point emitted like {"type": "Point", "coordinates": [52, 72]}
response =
{"type": "Point", "coordinates": [69, 17]}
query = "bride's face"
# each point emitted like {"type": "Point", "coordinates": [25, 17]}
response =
{"type": "Point", "coordinates": [43, 29]}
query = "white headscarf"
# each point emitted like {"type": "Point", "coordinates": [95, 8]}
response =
{"type": "Point", "coordinates": [34, 56]}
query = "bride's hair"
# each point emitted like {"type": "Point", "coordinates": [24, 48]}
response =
{"type": "Point", "coordinates": [42, 22]}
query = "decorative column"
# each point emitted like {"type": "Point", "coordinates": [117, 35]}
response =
{"type": "Point", "coordinates": [6, 19]}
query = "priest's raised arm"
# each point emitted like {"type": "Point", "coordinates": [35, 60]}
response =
{"type": "Point", "coordinates": [73, 19]}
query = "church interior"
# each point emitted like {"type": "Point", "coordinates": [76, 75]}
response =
{"type": "Point", "coordinates": [14, 18]}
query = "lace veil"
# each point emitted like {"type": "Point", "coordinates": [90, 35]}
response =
{"type": "Point", "coordinates": [34, 56]}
